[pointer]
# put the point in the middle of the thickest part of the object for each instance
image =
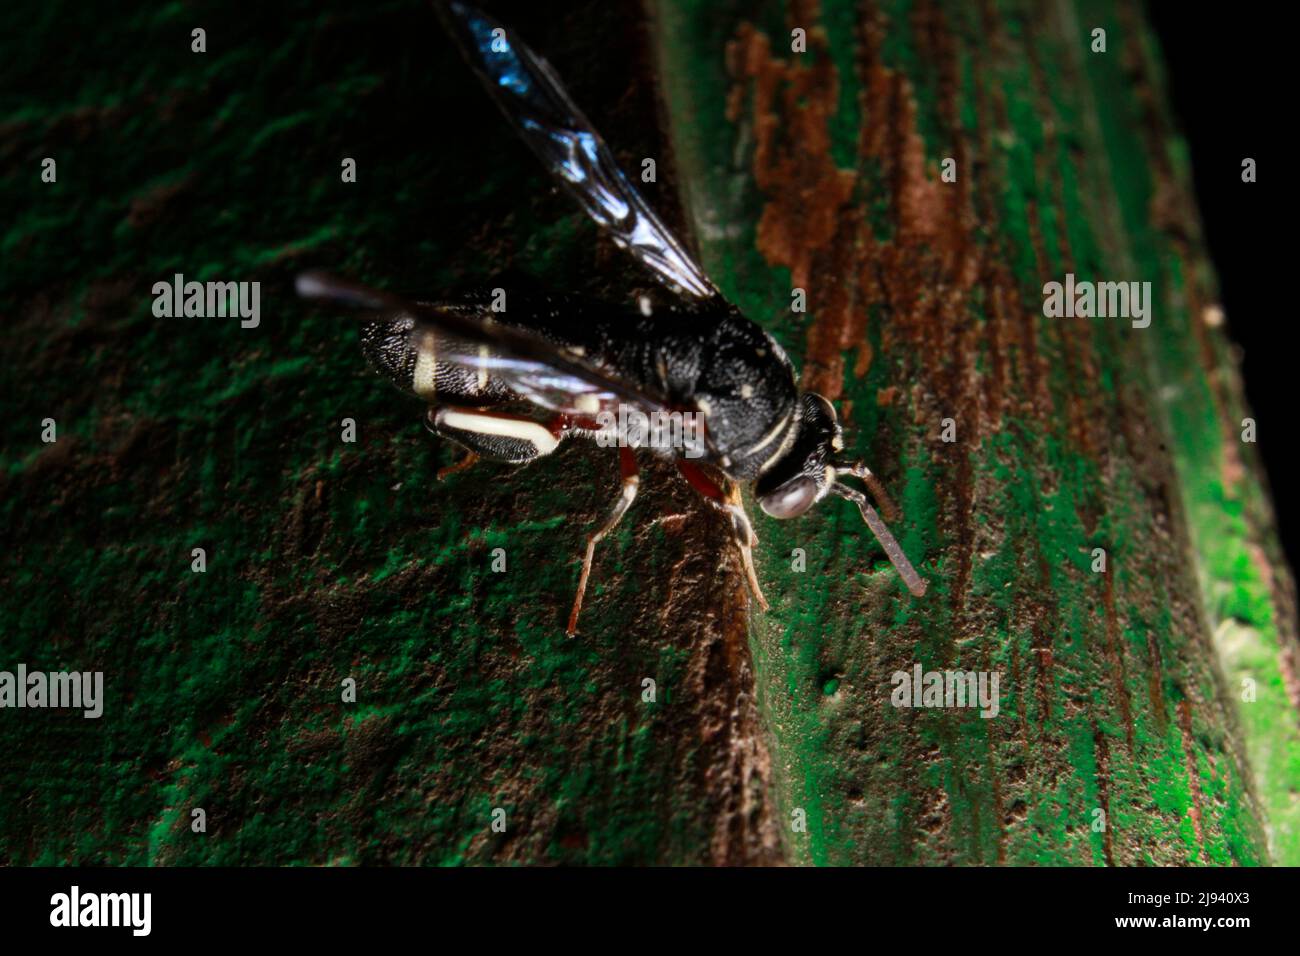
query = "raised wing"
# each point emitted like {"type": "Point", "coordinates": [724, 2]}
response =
{"type": "Point", "coordinates": [530, 95]}
{"type": "Point", "coordinates": [533, 367]}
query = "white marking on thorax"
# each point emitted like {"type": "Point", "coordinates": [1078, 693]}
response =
{"type": "Point", "coordinates": [786, 442]}
{"type": "Point", "coordinates": [771, 436]}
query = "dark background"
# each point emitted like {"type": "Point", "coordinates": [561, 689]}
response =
{"type": "Point", "coordinates": [1226, 83]}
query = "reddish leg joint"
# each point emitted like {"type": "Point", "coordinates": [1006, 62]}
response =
{"type": "Point", "coordinates": [631, 479]}
{"type": "Point", "coordinates": [741, 530]}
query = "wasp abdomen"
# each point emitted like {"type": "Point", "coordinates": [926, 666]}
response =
{"type": "Point", "coordinates": [407, 353]}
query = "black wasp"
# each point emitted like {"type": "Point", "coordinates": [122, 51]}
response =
{"type": "Point", "coordinates": [510, 385]}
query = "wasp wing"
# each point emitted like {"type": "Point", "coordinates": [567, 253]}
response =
{"type": "Point", "coordinates": [533, 367]}
{"type": "Point", "coordinates": [532, 98]}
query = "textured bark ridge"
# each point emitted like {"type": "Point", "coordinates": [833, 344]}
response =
{"type": "Point", "coordinates": [1122, 691]}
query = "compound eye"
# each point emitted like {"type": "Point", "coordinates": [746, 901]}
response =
{"type": "Point", "coordinates": [791, 499]}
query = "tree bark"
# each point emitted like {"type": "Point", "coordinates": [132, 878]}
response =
{"type": "Point", "coordinates": [769, 737]}
{"type": "Point", "coordinates": [1149, 712]}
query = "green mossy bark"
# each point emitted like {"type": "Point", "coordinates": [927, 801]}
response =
{"type": "Point", "coordinates": [1122, 692]}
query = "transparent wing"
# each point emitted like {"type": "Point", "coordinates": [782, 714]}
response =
{"type": "Point", "coordinates": [532, 98]}
{"type": "Point", "coordinates": [541, 374]}
{"type": "Point", "coordinates": [533, 367]}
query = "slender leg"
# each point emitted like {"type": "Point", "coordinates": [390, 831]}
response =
{"type": "Point", "coordinates": [455, 469]}
{"type": "Point", "coordinates": [742, 531]}
{"type": "Point", "coordinates": [627, 462]}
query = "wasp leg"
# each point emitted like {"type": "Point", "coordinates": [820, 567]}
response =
{"type": "Point", "coordinates": [742, 531]}
{"type": "Point", "coordinates": [627, 462]}
{"type": "Point", "coordinates": [492, 436]}
{"type": "Point", "coordinates": [467, 462]}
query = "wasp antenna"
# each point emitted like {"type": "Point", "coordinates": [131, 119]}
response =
{"type": "Point", "coordinates": [915, 583]}
{"type": "Point", "coordinates": [860, 470]}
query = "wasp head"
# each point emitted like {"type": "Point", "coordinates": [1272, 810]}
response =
{"type": "Point", "coordinates": [805, 472]}
{"type": "Point", "coordinates": [802, 472]}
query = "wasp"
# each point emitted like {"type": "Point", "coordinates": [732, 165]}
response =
{"type": "Point", "coordinates": [510, 385]}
